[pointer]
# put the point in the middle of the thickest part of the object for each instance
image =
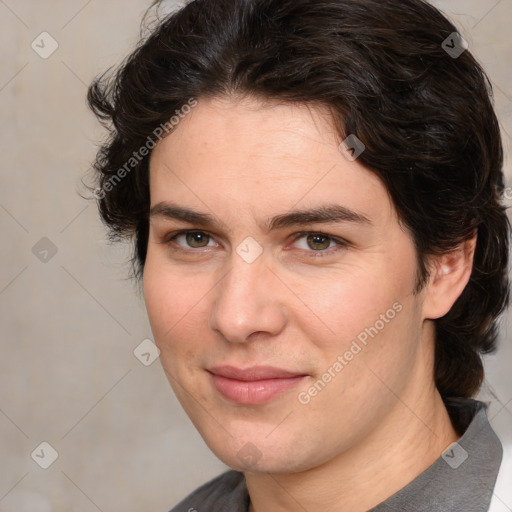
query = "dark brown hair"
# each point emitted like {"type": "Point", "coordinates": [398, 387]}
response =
{"type": "Point", "coordinates": [380, 66]}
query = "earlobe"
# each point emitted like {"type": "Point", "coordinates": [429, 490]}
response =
{"type": "Point", "coordinates": [449, 276]}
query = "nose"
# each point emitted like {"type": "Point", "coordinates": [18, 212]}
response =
{"type": "Point", "coordinates": [248, 301]}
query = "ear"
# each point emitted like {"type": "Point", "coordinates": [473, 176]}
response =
{"type": "Point", "coordinates": [449, 276]}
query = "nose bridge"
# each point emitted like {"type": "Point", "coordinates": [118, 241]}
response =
{"type": "Point", "coordinates": [245, 302]}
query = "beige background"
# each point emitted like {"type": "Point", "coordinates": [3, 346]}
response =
{"type": "Point", "coordinates": [68, 375]}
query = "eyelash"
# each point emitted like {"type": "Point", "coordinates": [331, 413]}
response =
{"type": "Point", "coordinates": [340, 243]}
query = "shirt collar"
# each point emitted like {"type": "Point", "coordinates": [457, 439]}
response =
{"type": "Point", "coordinates": [463, 478]}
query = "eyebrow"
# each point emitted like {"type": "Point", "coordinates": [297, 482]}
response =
{"type": "Point", "coordinates": [319, 215]}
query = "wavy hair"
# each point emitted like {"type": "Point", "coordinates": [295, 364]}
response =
{"type": "Point", "coordinates": [380, 66]}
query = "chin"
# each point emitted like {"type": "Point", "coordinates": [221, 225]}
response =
{"type": "Point", "coordinates": [255, 452]}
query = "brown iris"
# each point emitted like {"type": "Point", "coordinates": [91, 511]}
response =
{"type": "Point", "coordinates": [318, 242]}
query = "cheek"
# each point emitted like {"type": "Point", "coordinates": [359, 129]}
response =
{"type": "Point", "coordinates": [176, 307]}
{"type": "Point", "coordinates": [171, 302]}
{"type": "Point", "coordinates": [340, 306]}
{"type": "Point", "coordinates": [156, 297]}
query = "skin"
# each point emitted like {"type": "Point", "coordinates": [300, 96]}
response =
{"type": "Point", "coordinates": [298, 306]}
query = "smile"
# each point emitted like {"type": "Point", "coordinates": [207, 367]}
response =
{"type": "Point", "coordinates": [253, 386]}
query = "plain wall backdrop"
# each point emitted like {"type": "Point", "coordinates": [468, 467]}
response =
{"type": "Point", "coordinates": [70, 317]}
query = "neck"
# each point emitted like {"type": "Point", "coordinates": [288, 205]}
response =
{"type": "Point", "coordinates": [413, 435]}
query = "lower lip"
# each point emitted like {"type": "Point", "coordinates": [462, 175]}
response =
{"type": "Point", "coordinates": [253, 392]}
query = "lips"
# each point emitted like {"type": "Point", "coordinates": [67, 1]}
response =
{"type": "Point", "coordinates": [254, 385]}
{"type": "Point", "coordinates": [253, 373]}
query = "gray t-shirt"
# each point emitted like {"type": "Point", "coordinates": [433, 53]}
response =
{"type": "Point", "coordinates": [462, 479]}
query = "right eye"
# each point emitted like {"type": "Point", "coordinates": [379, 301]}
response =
{"type": "Point", "coordinates": [192, 239]}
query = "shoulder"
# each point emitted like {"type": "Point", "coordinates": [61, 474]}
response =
{"type": "Point", "coordinates": [227, 492]}
{"type": "Point", "coordinates": [502, 495]}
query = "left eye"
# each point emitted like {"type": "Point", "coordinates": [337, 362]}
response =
{"type": "Point", "coordinates": [316, 242]}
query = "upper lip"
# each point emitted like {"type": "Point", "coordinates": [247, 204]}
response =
{"type": "Point", "coordinates": [253, 373]}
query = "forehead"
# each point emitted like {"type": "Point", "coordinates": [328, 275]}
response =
{"type": "Point", "coordinates": [255, 155]}
{"type": "Point", "coordinates": [234, 129]}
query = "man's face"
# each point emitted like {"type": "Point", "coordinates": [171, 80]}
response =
{"type": "Point", "coordinates": [330, 303]}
